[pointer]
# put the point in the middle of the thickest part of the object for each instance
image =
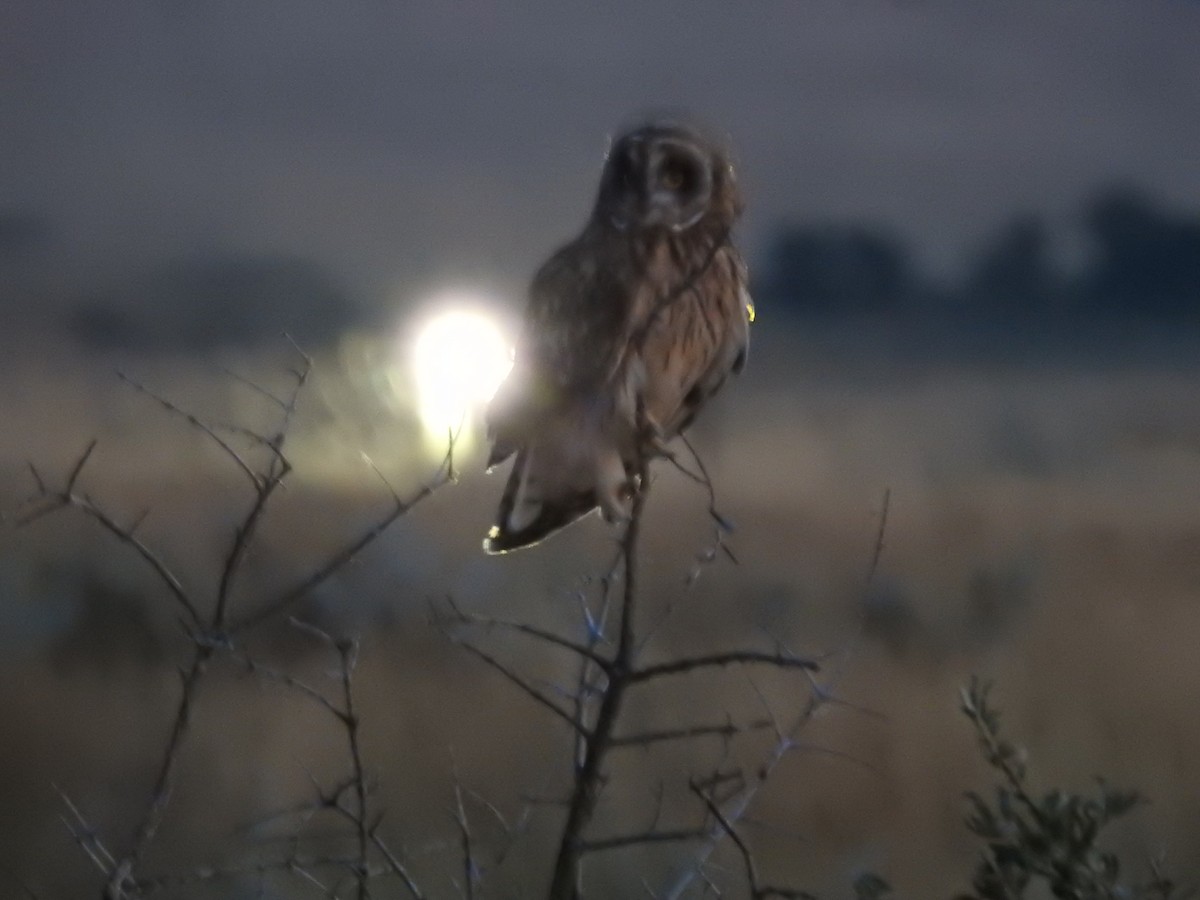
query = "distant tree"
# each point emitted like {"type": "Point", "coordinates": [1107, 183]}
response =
{"type": "Point", "coordinates": [1148, 258]}
{"type": "Point", "coordinates": [837, 269]}
{"type": "Point", "coordinates": [1015, 274]}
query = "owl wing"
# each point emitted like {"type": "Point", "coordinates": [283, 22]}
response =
{"type": "Point", "coordinates": [591, 342]}
{"type": "Point", "coordinates": [695, 341]}
{"type": "Point", "coordinates": [556, 410]}
{"type": "Point", "coordinates": [572, 336]}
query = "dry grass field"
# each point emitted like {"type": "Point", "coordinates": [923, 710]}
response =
{"type": "Point", "coordinates": [1042, 531]}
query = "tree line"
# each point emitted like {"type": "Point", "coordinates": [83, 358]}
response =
{"type": "Point", "coordinates": [1142, 260]}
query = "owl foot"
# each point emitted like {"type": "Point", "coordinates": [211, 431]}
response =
{"type": "Point", "coordinates": [616, 506]}
{"type": "Point", "coordinates": [652, 436]}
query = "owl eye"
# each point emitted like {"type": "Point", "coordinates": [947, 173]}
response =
{"type": "Point", "coordinates": [677, 175]}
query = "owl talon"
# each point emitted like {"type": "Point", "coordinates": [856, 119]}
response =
{"type": "Point", "coordinates": [653, 436]}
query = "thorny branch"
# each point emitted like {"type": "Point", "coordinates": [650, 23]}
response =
{"type": "Point", "coordinates": [400, 507]}
{"type": "Point", "coordinates": [160, 796]}
{"type": "Point", "coordinates": [587, 652]}
{"type": "Point", "coordinates": [46, 501]}
{"type": "Point", "coordinates": [719, 660]}
{"type": "Point", "coordinates": [470, 869]}
{"type": "Point", "coordinates": [523, 684]}
{"type": "Point", "coordinates": [609, 668]}
{"type": "Point", "coordinates": [214, 633]}
{"type": "Point", "coordinates": [590, 773]}
{"type": "Point", "coordinates": [758, 891]}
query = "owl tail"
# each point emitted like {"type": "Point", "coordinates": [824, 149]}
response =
{"type": "Point", "coordinates": [554, 482]}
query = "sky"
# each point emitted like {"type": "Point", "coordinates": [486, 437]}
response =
{"type": "Point", "coordinates": [401, 147]}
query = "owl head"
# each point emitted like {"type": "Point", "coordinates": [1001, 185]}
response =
{"type": "Point", "coordinates": [667, 176]}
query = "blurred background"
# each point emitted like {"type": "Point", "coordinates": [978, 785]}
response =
{"type": "Point", "coordinates": [974, 235]}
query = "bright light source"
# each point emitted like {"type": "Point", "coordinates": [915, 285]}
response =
{"type": "Point", "coordinates": [459, 360]}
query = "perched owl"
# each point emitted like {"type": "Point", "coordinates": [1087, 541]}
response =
{"type": "Point", "coordinates": [629, 329]}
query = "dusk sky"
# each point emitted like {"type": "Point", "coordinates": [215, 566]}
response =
{"type": "Point", "coordinates": [400, 147]}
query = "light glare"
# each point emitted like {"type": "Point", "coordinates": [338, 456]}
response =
{"type": "Point", "coordinates": [460, 358]}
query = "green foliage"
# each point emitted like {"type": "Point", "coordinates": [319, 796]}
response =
{"type": "Point", "coordinates": [1050, 839]}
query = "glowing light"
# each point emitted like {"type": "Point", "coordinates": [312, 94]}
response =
{"type": "Point", "coordinates": [459, 359]}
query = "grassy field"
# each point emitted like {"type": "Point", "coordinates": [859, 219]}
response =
{"type": "Point", "coordinates": [1042, 531]}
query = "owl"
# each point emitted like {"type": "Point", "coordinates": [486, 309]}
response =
{"type": "Point", "coordinates": [628, 331]}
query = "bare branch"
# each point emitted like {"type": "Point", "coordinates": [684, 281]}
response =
{"type": "Point", "coordinates": [253, 667]}
{"type": "Point", "coordinates": [734, 657]}
{"type": "Point", "coordinates": [74, 476]}
{"type": "Point", "coordinates": [348, 654]}
{"type": "Point", "coordinates": [265, 486]}
{"type": "Point", "coordinates": [878, 551]}
{"type": "Point", "coordinates": [85, 835]}
{"type": "Point", "coordinates": [595, 626]}
{"type": "Point", "coordinates": [342, 557]}
{"type": "Point", "coordinates": [258, 389]}
{"type": "Point", "coordinates": [289, 408]}
{"type": "Point", "coordinates": [192, 420]}
{"type": "Point", "coordinates": [590, 773]}
{"type": "Point", "coordinates": [740, 801]}
{"type": "Point", "coordinates": [524, 685]}
{"type": "Point", "coordinates": [724, 730]}
{"type": "Point", "coordinates": [68, 498]}
{"type": "Point", "coordinates": [293, 864]}
{"type": "Point", "coordinates": [243, 535]}
{"type": "Point", "coordinates": [394, 865]}
{"type": "Point", "coordinates": [549, 637]}
{"type": "Point", "coordinates": [620, 841]}
{"type": "Point", "coordinates": [470, 871]}
{"type": "Point", "coordinates": [37, 477]}
{"type": "Point", "coordinates": [160, 796]}
{"type": "Point", "coordinates": [758, 891]}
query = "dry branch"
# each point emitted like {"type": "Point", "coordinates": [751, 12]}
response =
{"type": "Point", "coordinates": [214, 634]}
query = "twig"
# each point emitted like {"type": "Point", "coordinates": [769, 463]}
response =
{"type": "Point", "coordinates": [67, 497]}
{"type": "Point", "coordinates": [85, 835]}
{"type": "Point", "coordinates": [524, 685]}
{"type": "Point", "coordinates": [758, 891]}
{"type": "Point", "coordinates": [878, 550]}
{"type": "Point", "coordinates": [394, 865]}
{"type": "Point", "coordinates": [323, 572]}
{"type": "Point", "coordinates": [595, 626]}
{"type": "Point", "coordinates": [348, 654]}
{"type": "Point", "coordinates": [620, 841]}
{"type": "Point", "coordinates": [717, 660]}
{"type": "Point", "coordinates": [212, 635]}
{"type": "Point", "coordinates": [542, 634]}
{"type": "Point", "coordinates": [737, 804]}
{"type": "Point", "coordinates": [724, 730]}
{"type": "Point", "coordinates": [242, 537]}
{"type": "Point", "coordinates": [192, 420]}
{"type": "Point", "coordinates": [122, 875]}
{"type": "Point", "coordinates": [470, 871]}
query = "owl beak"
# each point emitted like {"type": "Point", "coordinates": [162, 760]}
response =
{"type": "Point", "coordinates": [659, 207]}
{"type": "Point", "coordinates": [662, 211]}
